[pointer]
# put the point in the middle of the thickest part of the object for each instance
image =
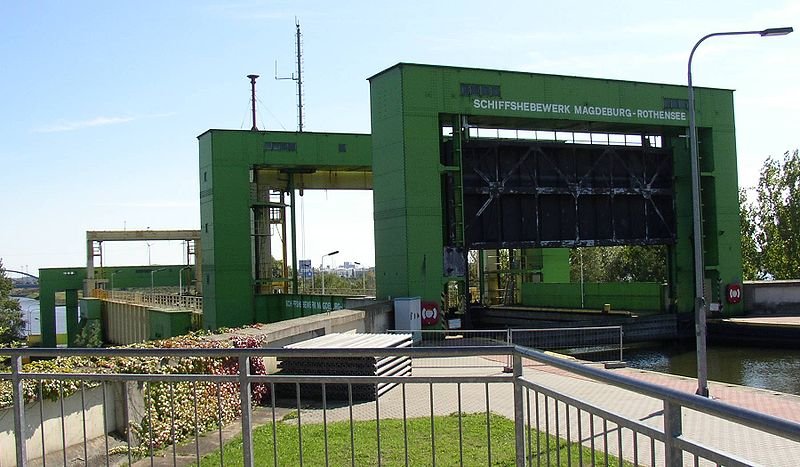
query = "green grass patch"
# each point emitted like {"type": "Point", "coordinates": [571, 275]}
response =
{"type": "Point", "coordinates": [475, 445]}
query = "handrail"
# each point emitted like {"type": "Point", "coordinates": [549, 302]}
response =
{"type": "Point", "coordinates": [165, 300]}
{"type": "Point", "coordinates": [675, 443]}
{"type": "Point", "coordinates": [760, 420]}
{"type": "Point", "coordinates": [431, 352]}
{"type": "Point", "coordinates": [769, 423]}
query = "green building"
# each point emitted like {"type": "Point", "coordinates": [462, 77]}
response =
{"type": "Point", "coordinates": [492, 170]}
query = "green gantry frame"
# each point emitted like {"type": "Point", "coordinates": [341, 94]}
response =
{"type": "Point", "coordinates": [424, 120]}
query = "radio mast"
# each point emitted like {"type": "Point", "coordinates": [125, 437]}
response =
{"type": "Point", "coordinates": [298, 75]}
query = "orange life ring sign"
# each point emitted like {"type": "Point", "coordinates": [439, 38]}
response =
{"type": "Point", "coordinates": [733, 293]}
{"type": "Point", "coordinates": [430, 313]}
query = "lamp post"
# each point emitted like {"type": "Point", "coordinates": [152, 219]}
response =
{"type": "Point", "coordinates": [697, 224]}
{"type": "Point", "coordinates": [363, 277]}
{"type": "Point", "coordinates": [112, 281]}
{"type": "Point", "coordinates": [152, 281]}
{"type": "Point", "coordinates": [322, 268]}
{"type": "Point", "coordinates": [180, 279]}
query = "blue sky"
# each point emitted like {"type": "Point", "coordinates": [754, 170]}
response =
{"type": "Point", "coordinates": [102, 101]}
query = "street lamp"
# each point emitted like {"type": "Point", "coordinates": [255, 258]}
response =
{"type": "Point", "coordinates": [697, 231]}
{"type": "Point", "coordinates": [322, 268]}
{"type": "Point", "coordinates": [112, 281]}
{"type": "Point", "coordinates": [180, 279]}
{"type": "Point", "coordinates": [363, 276]}
{"type": "Point", "coordinates": [152, 283]}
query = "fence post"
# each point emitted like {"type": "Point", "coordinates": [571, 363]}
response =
{"type": "Point", "coordinates": [673, 455]}
{"type": "Point", "coordinates": [247, 423]}
{"type": "Point", "coordinates": [620, 343]}
{"type": "Point", "coordinates": [18, 399]}
{"type": "Point", "coordinates": [509, 341]}
{"type": "Point", "coordinates": [519, 412]}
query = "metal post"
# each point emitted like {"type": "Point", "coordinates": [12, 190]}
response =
{"type": "Point", "coordinates": [322, 272]}
{"type": "Point", "coordinates": [697, 222]}
{"type": "Point", "coordinates": [583, 294]}
{"type": "Point", "coordinates": [322, 268]}
{"type": "Point", "coordinates": [292, 214]}
{"type": "Point", "coordinates": [253, 99]}
{"type": "Point", "coordinates": [247, 424]}
{"type": "Point", "coordinates": [20, 435]}
{"type": "Point", "coordinates": [299, 79]}
{"type": "Point", "coordinates": [697, 244]}
{"type": "Point", "coordinates": [673, 456]}
{"type": "Point", "coordinates": [519, 413]}
{"type": "Point", "coordinates": [152, 279]}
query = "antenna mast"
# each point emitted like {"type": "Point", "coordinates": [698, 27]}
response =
{"type": "Point", "coordinates": [298, 76]}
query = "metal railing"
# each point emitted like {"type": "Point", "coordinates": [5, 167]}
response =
{"type": "Point", "coordinates": [591, 343]}
{"type": "Point", "coordinates": [595, 343]}
{"type": "Point", "coordinates": [156, 300]}
{"type": "Point", "coordinates": [559, 411]}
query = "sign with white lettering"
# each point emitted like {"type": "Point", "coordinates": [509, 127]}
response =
{"type": "Point", "coordinates": [582, 110]}
{"type": "Point", "coordinates": [304, 266]}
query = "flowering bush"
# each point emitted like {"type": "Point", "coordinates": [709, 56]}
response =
{"type": "Point", "coordinates": [172, 409]}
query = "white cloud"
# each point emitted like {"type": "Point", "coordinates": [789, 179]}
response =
{"type": "Point", "coordinates": [93, 122]}
{"type": "Point", "coordinates": [151, 205]}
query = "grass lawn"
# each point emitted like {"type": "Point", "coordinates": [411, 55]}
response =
{"type": "Point", "coordinates": [392, 450]}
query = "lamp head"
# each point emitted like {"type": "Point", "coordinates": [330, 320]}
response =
{"type": "Point", "coordinates": [776, 31]}
{"type": "Point", "coordinates": [333, 253]}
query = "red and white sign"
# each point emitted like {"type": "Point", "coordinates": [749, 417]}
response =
{"type": "Point", "coordinates": [430, 313]}
{"type": "Point", "coordinates": [733, 293]}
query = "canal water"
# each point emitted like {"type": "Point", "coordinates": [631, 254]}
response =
{"type": "Point", "coordinates": [767, 368]}
{"type": "Point", "coordinates": [30, 313]}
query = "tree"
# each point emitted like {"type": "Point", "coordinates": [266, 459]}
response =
{"type": "Point", "coordinates": [751, 260]}
{"type": "Point", "coordinates": [771, 224]}
{"type": "Point", "coordinates": [628, 263]}
{"type": "Point", "coordinates": [12, 325]}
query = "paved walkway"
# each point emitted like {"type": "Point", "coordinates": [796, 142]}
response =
{"type": "Point", "coordinates": [755, 446]}
{"type": "Point", "coordinates": [770, 320]}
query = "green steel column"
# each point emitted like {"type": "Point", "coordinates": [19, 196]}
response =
{"type": "Point", "coordinates": [294, 233]}
{"type": "Point", "coordinates": [71, 315]}
{"type": "Point", "coordinates": [47, 315]}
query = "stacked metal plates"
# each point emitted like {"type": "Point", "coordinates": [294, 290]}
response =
{"type": "Point", "coordinates": [346, 366]}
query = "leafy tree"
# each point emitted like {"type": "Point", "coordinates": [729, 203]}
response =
{"type": "Point", "coordinates": [12, 325]}
{"type": "Point", "coordinates": [751, 260]}
{"type": "Point", "coordinates": [619, 264]}
{"type": "Point", "coordinates": [771, 224]}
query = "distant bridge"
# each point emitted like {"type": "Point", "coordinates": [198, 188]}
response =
{"type": "Point", "coordinates": [23, 273]}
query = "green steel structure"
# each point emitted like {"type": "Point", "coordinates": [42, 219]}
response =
{"type": "Point", "coordinates": [427, 123]}
{"type": "Point", "coordinates": [472, 168]}
{"type": "Point", "coordinates": [248, 182]}
{"type": "Point", "coordinates": [71, 282]}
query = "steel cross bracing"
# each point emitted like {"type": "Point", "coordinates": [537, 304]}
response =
{"type": "Point", "coordinates": [544, 194]}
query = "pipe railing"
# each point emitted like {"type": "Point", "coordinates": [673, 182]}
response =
{"type": "Point", "coordinates": [535, 407]}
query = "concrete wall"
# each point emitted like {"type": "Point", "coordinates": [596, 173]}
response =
{"type": "Point", "coordinates": [772, 296]}
{"type": "Point", "coordinates": [74, 414]}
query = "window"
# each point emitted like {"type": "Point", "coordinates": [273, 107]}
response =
{"type": "Point", "coordinates": [342, 147]}
{"type": "Point", "coordinates": [680, 104]}
{"type": "Point", "coordinates": [280, 146]}
{"type": "Point", "coordinates": [483, 90]}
